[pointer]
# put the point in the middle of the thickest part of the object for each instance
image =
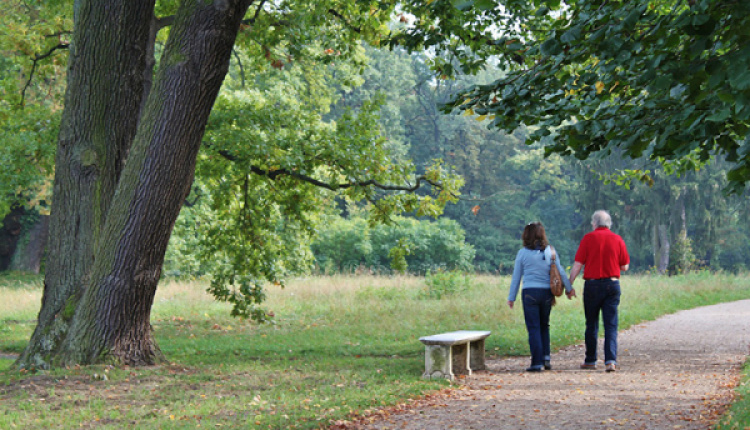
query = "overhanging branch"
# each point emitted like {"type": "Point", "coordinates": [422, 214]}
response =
{"type": "Point", "coordinates": [273, 174]}
{"type": "Point", "coordinates": [251, 21]}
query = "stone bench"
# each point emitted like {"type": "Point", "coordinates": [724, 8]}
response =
{"type": "Point", "coordinates": [453, 353]}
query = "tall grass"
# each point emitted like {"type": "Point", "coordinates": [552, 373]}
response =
{"type": "Point", "coordinates": [339, 345]}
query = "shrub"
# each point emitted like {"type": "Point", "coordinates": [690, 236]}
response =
{"type": "Point", "coordinates": [446, 283]}
{"type": "Point", "coordinates": [344, 244]}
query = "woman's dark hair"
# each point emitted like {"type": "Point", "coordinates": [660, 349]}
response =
{"type": "Point", "coordinates": [534, 236]}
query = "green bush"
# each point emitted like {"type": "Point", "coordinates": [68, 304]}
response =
{"type": "Point", "coordinates": [347, 244]}
{"type": "Point", "coordinates": [342, 245]}
{"type": "Point", "coordinates": [443, 284]}
{"type": "Point", "coordinates": [681, 257]}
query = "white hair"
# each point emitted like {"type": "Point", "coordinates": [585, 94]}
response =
{"type": "Point", "coordinates": [601, 218]}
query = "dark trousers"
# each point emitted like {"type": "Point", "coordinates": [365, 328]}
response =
{"type": "Point", "coordinates": [537, 305]}
{"type": "Point", "coordinates": [601, 296]}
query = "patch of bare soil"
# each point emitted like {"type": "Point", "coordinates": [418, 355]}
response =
{"type": "Point", "coordinates": [678, 372]}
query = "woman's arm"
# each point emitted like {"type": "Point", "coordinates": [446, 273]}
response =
{"type": "Point", "coordinates": [566, 281]}
{"type": "Point", "coordinates": [515, 282]}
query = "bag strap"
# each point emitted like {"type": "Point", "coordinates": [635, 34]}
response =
{"type": "Point", "coordinates": [552, 250]}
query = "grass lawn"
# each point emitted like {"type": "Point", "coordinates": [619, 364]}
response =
{"type": "Point", "coordinates": [339, 346]}
{"type": "Point", "coordinates": [738, 416]}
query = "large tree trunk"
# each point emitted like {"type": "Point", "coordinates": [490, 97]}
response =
{"type": "Point", "coordinates": [111, 318]}
{"type": "Point", "coordinates": [105, 73]}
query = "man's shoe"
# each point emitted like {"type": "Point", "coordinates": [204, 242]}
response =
{"type": "Point", "coordinates": [547, 365]}
{"type": "Point", "coordinates": [586, 366]}
{"type": "Point", "coordinates": [534, 369]}
{"type": "Point", "coordinates": [611, 367]}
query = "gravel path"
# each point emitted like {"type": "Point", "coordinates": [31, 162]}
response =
{"type": "Point", "coordinates": [678, 372]}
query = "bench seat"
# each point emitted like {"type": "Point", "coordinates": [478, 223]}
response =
{"type": "Point", "coordinates": [453, 353]}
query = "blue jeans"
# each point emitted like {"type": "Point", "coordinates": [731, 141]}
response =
{"type": "Point", "coordinates": [537, 305]}
{"type": "Point", "coordinates": [601, 296]}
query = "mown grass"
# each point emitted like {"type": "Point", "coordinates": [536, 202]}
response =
{"type": "Point", "coordinates": [339, 346]}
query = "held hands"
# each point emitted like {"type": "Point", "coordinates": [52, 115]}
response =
{"type": "Point", "coordinates": [571, 294]}
{"type": "Point", "coordinates": [510, 304]}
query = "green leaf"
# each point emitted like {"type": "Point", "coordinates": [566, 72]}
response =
{"type": "Point", "coordinates": [574, 33]}
{"type": "Point", "coordinates": [701, 19]}
{"type": "Point", "coordinates": [544, 10]}
{"type": "Point", "coordinates": [720, 116]}
{"type": "Point", "coordinates": [485, 5]}
{"type": "Point", "coordinates": [551, 47]}
{"type": "Point", "coordinates": [464, 5]}
{"type": "Point", "coordinates": [661, 83]}
{"type": "Point", "coordinates": [632, 19]}
{"type": "Point", "coordinates": [740, 81]}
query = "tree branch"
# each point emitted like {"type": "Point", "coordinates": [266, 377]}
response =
{"type": "Point", "coordinates": [343, 19]}
{"type": "Point", "coordinates": [273, 174]}
{"type": "Point", "coordinates": [164, 22]}
{"type": "Point", "coordinates": [58, 35]}
{"type": "Point", "coordinates": [333, 187]}
{"type": "Point", "coordinates": [251, 21]}
{"type": "Point", "coordinates": [35, 60]}
{"type": "Point", "coordinates": [242, 69]}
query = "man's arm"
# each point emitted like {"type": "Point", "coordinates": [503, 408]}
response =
{"type": "Point", "coordinates": [625, 267]}
{"type": "Point", "coordinates": [574, 271]}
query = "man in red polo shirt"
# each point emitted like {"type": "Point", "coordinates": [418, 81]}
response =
{"type": "Point", "coordinates": [603, 255]}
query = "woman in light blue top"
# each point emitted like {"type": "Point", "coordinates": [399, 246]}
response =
{"type": "Point", "coordinates": [532, 266]}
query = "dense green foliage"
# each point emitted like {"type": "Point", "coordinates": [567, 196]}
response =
{"type": "Point", "coordinates": [508, 183]}
{"type": "Point", "coordinates": [663, 79]}
{"type": "Point", "coordinates": [31, 87]}
{"type": "Point", "coordinates": [349, 245]}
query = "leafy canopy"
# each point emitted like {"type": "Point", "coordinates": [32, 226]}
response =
{"type": "Point", "coordinates": [31, 87]}
{"type": "Point", "coordinates": [665, 79]}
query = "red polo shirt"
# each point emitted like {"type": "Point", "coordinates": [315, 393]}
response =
{"type": "Point", "coordinates": [602, 253]}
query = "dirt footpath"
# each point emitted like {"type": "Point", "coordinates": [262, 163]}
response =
{"type": "Point", "coordinates": [678, 372]}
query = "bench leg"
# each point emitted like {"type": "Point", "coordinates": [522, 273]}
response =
{"type": "Point", "coordinates": [461, 356]}
{"type": "Point", "coordinates": [476, 355]}
{"type": "Point", "coordinates": [438, 362]}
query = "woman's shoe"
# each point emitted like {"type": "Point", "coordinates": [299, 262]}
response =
{"type": "Point", "coordinates": [534, 369]}
{"type": "Point", "coordinates": [547, 365]}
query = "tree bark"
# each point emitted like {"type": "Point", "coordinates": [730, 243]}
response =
{"type": "Point", "coordinates": [105, 74]}
{"type": "Point", "coordinates": [111, 321]}
{"type": "Point", "coordinates": [663, 237]}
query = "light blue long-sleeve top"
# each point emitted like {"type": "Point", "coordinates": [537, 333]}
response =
{"type": "Point", "coordinates": [532, 266]}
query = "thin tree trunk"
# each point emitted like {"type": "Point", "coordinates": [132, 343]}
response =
{"type": "Point", "coordinates": [683, 216]}
{"type": "Point", "coordinates": [663, 248]}
{"type": "Point", "coordinates": [10, 234]}
{"type": "Point", "coordinates": [31, 251]}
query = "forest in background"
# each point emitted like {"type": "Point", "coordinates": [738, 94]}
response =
{"type": "Point", "coordinates": [672, 223]}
